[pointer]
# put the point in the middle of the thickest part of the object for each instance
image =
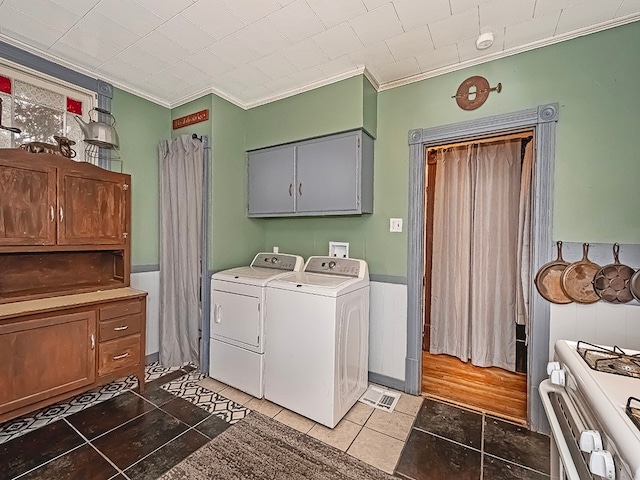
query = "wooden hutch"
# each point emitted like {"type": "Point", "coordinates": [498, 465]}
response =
{"type": "Point", "coordinates": [69, 321]}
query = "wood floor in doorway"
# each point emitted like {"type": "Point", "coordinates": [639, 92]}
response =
{"type": "Point", "coordinates": [491, 390]}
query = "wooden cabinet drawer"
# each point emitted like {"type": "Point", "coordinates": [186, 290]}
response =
{"type": "Point", "coordinates": [120, 310]}
{"type": "Point", "coordinates": [120, 327]}
{"type": "Point", "coordinates": [120, 353]}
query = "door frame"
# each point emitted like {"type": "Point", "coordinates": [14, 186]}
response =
{"type": "Point", "coordinates": [543, 120]}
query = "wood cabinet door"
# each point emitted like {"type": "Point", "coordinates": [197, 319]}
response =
{"type": "Point", "coordinates": [27, 203]}
{"type": "Point", "coordinates": [45, 357]}
{"type": "Point", "coordinates": [92, 208]}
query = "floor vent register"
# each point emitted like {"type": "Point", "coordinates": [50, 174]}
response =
{"type": "Point", "coordinates": [382, 399]}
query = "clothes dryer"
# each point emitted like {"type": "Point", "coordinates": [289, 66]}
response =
{"type": "Point", "coordinates": [317, 337]}
{"type": "Point", "coordinates": [237, 320]}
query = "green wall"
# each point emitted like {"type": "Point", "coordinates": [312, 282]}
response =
{"type": "Point", "coordinates": [141, 125]}
{"type": "Point", "coordinates": [594, 78]}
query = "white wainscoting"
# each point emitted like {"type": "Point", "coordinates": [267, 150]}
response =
{"type": "Point", "coordinates": [388, 329]}
{"type": "Point", "coordinates": [600, 323]}
{"type": "Point", "coordinates": [150, 282]}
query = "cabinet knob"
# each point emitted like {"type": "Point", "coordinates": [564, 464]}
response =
{"type": "Point", "coordinates": [93, 341]}
{"type": "Point", "coordinates": [52, 214]}
{"type": "Point", "coordinates": [61, 214]}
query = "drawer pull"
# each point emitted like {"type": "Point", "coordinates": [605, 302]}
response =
{"type": "Point", "coordinates": [119, 329]}
{"type": "Point", "coordinates": [119, 357]}
{"type": "Point", "coordinates": [93, 341]}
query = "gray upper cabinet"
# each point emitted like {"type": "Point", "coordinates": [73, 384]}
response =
{"type": "Point", "coordinates": [330, 175]}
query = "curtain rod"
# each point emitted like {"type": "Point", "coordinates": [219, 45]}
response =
{"type": "Point", "coordinates": [527, 134]}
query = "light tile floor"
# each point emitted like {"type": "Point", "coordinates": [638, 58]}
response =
{"type": "Point", "coordinates": [372, 435]}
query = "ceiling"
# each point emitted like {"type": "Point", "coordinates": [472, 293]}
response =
{"type": "Point", "coordinates": [255, 51]}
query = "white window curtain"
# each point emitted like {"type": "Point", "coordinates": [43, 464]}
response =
{"type": "Point", "coordinates": [181, 182]}
{"type": "Point", "coordinates": [476, 262]}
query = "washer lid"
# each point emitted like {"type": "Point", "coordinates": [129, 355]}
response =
{"type": "Point", "coordinates": [317, 279]}
{"type": "Point", "coordinates": [250, 275]}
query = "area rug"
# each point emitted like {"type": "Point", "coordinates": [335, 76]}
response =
{"type": "Point", "coordinates": [260, 448]}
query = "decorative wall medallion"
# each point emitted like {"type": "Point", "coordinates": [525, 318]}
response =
{"type": "Point", "coordinates": [473, 92]}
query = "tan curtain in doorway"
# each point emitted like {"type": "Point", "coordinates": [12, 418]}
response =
{"type": "Point", "coordinates": [475, 273]}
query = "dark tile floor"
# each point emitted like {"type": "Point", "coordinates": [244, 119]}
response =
{"type": "Point", "coordinates": [450, 443]}
{"type": "Point", "coordinates": [130, 436]}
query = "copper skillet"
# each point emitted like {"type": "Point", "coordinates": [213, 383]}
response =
{"type": "Point", "coordinates": [577, 279]}
{"type": "Point", "coordinates": [548, 279]}
{"type": "Point", "coordinates": [611, 282]}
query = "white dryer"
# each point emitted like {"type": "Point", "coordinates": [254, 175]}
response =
{"type": "Point", "coordinates": [317, 338]}
{"type": "Point", "coordinates": [237, 320]}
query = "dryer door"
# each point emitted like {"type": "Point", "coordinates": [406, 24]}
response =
{"type": "Point", "coordinates": [235, 319]}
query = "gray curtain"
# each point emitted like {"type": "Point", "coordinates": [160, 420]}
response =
{"type": "Point", "coordinates": [476, 272]}
{"type": "Point", "coordinates": [181, 202]}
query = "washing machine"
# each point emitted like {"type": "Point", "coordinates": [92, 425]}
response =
{"type": "Point", "coordinates": [238, 317]}
{"type": "Point", "coordinates": [317, 338]}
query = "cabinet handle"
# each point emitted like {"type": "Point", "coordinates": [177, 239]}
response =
{"type": "Point", "coordinates": [52, 214]}
{"type": "Point", "coordinates": [93, 341]}
{"type": "Point", "coordinates": [119, 329]}
{"type": "Point", "coordinates": [217, 317]}
{"type": "Point", "coordinates": [119, 357]}
{"type": "Point", "coordinates": [300, 188]}
{"type": "Point", "coordinates": [61, 214]}
{"type": "Point", "coordinates": [290, 189]}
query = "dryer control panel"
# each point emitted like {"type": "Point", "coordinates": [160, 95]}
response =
{"type": "Point", "coordinates": [350, 267]}
{"type": "Point", "coordinates": [278, 261]}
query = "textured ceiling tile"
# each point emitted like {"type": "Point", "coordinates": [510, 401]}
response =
{"type": "Point", "coordinates": [377, 25]}
{"type": "Point", "coordinates": [296, 21]}
{"type": "Point", "coordinates": [411, 44]}
{"type": "Point", "coordinates": [373, 4]}
{"type": "Point", "coordinates": [629, 7]}
{"type": "Point", "coordinates": [377, 54]}
{"type": "Point", "coordinates": [166, 9]}
{"type": "Point", "coordinates": [46, 12]}
{"type": "Point", "coordinates": [130, 15]}
{"type": "Point", "coordinates": [394, 71]}
{"type": "Point", "coordinates": [584, 15]}
{"type": "Point", "coordinates": [531, 31]}
{"type": "Point", "coordinates": [213, 17]}
{"type": "Point", "coordinates": [455, 28]}
{"type": "Point", "coordinates": [338, 41]}
{"type": "Point", "coordinates": [161, 47]}
{"type": "Point", "coordinates": [138, 58]}
{"type": "Point", "coordinates": [281, 85]}
{"type": "Point", "coordinates": [337, 66]}
{"type": "Point", "coordinates": [284, 3]}
{"type": "Point", "coordinates": [467, 48]}
{"type": "Point", "coordinates": [249, 10]}
{"type": "Point", "coordinates": [249, 75]}
{"type": "Point", "coordinates": [188, 73]}
{"type": "Point", "coordinates": [209, 63]}
{"type": "Point", "coordinates": [262, 37]}
{"type": "Point", "coordinates": [502, 13]}
{"type": "Point", "coordinates": [256, 93]}
{"type": "Point", "coordinates": [31, 31]}
{"type": "Point", "coordinates": [442, 57]}
{"type": "Point", "coordinates": [79, 7]}
{"type": "Point", "coordinates": [230, 85]}
{"type": "Point", "coordinates": [122, 71]}
{"type": "Point", "coordinates": [547, 6]}
{"type": "Point", "coordinates": [107, 30]}
{"type": "Point", "coordinates": [417, 13]}
{"type": "Point", "coordinates": [333, 12]}
{"type": "Point", "coordinates": [274, 66]}
{"type": "Point", "coordinates": [233, 51]}
{"type": "Point", "coordinates": [304, 54]}
{"type": "Point", "coordinates": [458, 6]}
{"type": "Point", "coordinates": [185, 34]}
{"type": "Point", "coordinates": [305, 77]}
{"type": "Point", "coordinates": [89, 44]}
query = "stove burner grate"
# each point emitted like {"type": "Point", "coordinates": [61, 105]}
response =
{"type": "Point", "coordinates": [633, 412]}
{"type": "Point", "coordinates": [610, 360]}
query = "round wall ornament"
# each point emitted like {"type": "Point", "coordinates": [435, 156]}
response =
{"type": "Point", "coordinates": [473, 92]}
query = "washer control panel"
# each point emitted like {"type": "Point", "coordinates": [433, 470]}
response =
{"type": "Point", "coordinates": [336, 266]}
{"type": "Point", "coordinates": [278, 261]}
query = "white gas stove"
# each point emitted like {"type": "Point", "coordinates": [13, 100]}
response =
{"type": "Point", "coordinates": [586, 399]}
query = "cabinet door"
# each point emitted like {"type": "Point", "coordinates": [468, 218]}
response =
{"type": "Point", "coordinates": [45, 357]}
{"type": "Point", "coordinates": [91, 208]}
{"type": "Point", "coordinates": [27, 202]}
{"type": "Point", "coordinates": [271, 182]}
{"type": "Point", "coordinates": [327, 175]}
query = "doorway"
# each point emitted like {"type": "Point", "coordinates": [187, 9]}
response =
{"type": "Point", "coordinates": [477, 282]}
{"type": "Point", "coordinates": [543, 120]}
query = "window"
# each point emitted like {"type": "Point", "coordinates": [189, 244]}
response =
{"type": "Point", "coordinates": [42, 107]}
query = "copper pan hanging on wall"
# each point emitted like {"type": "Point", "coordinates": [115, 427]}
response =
{"type": "Point", "coordinates": [577, 279]}
{"type": "Point", "coordinates": [548, 279]}
{"type": "Point", "coordinates": [612, 282]}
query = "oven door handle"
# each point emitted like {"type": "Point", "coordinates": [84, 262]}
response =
{"type": "Point", "coordinates": [545, 389]}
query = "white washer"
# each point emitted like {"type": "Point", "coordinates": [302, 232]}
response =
{"type": "Point", "coordinates": [317, 338]}
{"type": "Point", "coordinates": [237, 320]}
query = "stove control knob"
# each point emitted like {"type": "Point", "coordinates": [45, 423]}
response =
{"type": "Point", "coordinates": [601, 464]}
{"type": "Point", "coordinates": [590, 441]}
{"type": "Point", "coordinates": [558, 378]}
{"type": "Point", "coordinates": [551, 366]}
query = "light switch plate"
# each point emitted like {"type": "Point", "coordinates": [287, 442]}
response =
{"type": "Point", "coordinates": [395, 225]}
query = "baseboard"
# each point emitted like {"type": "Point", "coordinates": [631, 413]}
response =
{"type": "Point", "coordinates": [386, 381]}
{"type": "Point", "coordinates": [154, 357]}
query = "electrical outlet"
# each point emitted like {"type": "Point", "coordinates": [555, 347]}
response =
{"type": "Point", "coordinates": [395, 225]}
